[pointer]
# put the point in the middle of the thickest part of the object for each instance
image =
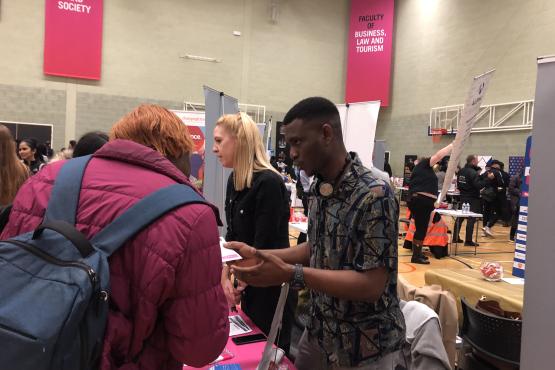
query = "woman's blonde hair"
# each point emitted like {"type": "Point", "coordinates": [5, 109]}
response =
{"type": "Point", "coordinates": [13, 172]}
{"type": "Point", "coordinates": [250, 155]}
{"type": "Point", "coordinates": [156, 127]}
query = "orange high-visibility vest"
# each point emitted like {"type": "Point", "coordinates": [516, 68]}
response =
{"type": "Point", "coordinates": [436, 235]}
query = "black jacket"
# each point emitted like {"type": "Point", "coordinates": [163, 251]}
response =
{"type": "Point", "coordinates": [496, 183]}
{"type": "Point", "coordinates": [259, 216]}
{"type": "Point", "coordinates": [469, 182]}
{"type": "Point", "coordinates": [515, 186]}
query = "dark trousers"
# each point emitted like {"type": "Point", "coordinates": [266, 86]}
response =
{"type": "Point", "coordinates": [494, 209]}
{"type": "Point", "coordinates": [514, 222]}
{"type": "Point", "coordinates": [421, 207]}
{"type": "Point", "coordinates": [476, 207]}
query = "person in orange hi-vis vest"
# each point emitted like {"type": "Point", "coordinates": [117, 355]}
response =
{"type": "Point", "coordinates": [436, 238]}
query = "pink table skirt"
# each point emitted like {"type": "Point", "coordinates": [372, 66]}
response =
{"type": "Point", "coordinates": [247, 355]}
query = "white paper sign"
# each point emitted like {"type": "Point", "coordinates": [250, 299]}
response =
{"type": "Point", "coordinates": [468, 118]}
{"type": "Point", "coordinates": [228, 254]}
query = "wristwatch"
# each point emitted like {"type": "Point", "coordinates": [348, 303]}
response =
{"type": "Point", "coordinates": [297, 282]}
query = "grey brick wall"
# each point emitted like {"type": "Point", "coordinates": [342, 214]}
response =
{"type": "Point", "coordinates": [100, 112]}
{"type": "Point", "coordinates": [34, 105]}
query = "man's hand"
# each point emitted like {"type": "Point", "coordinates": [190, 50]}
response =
{"type": "Point", "coordinates": [259, 268]}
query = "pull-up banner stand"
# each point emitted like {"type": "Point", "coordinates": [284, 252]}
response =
{"type": "Point", "coordinates": [471, 108]}
{"type": "Point", "coordinates": [358, 123]}
{"type": "Point", "coordinates": [539, 300]}
{"type": "Point", "coordinates": [521, 236]}
{"type": "Point", "coordinates": [215, 176]}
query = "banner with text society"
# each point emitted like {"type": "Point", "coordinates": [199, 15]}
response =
{"type": "Point", "coordinates": [73, 38]}
{"type": "Point", "coordinates": [369, 51]}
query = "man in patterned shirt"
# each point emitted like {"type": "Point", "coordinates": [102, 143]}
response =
{"type": "Point", "coordinates": [350, 261]}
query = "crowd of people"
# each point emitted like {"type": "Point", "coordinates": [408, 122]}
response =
{"type": "Point", "coordinates": [491, 192]}
{"type": "Point", "coordinates": [170, 275]}
{"type": "Point", "coordinates": [170, 294]}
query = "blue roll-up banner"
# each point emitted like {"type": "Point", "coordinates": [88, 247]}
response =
{"type": "Point", "coordinates": [519, 264]}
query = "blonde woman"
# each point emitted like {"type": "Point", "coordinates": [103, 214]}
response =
{"type": "Point", "coordinates": [13, 172]}
{"type": "Point", "coordinates": [257, 212]}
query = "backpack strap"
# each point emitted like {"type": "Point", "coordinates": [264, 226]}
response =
{"type": "Point", "coordinates": [142, 214]}
{"type": "Point", "coordinates": [64, 198]}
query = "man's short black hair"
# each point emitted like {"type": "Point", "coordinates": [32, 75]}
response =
{"type": "Point", "coordinates": [470, 158]}
{"type": "Point", "coordinates": [312, 109]}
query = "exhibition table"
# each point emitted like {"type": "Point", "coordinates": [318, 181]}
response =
{"type": "Point", "coordinates": [399, 192]}
{"type": "Point", "coordinates": [456, 214]}
{"type": "Point", "coordinates": [472, 286]}
{"type": "Point", "coordinates": [247, 355]}
{"type": "Point", "coordinates": [300, 226]}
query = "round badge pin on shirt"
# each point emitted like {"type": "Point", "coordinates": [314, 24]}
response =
{"type": "Point", "coordinates": [325, 189]}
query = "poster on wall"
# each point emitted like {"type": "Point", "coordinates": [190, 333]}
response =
{"type": "Point", "coordinates": [73, 38]}
{"type": "Point", "coordinates": [519, 264]}
{"type": "Point", "coordinates": [195, 122]}
{"type": "Point", "coordinates": [516, 165]}
{"type": "Point", "coordinates": [369, 51]}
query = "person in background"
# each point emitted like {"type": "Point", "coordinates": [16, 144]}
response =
{"type": "Point", "coordinates": [49, 151]}
{"type": "Point", "coordinates": [273, 162]}
{"type": "Point", "coordinates": [506, 212]}
{"type": "Point", "coordinates": [422, 196]}
{"type": "Point", "coordinates": [469, 184]}
{"type": "Point", "coordinates": [257, 213]}
{"type": "Point", "coordinates": [42, 152]}
{"type": "Point", "coordinates": [13, 173]}
{"type": "Point", "coordinates": [167, 305]}
{"type": "Point", "coordinates": [72, 144]}
{"type": "Point", "coordinates": [440, 173]}
{"type": "Point", "coordinates": [29, 154]}
{"type": "Point", "coordinates": [515, 190]}
{"type": "Point", "coordinates": [349, 263]}
{"type": "Point", "coordinates": [90, 143]}
{"type": "Point", "coordinates": [494, 194]}
{"type": "Point", "coordinates": [387, 168]}
{"type": "Point", "coordinates": [303, 192]}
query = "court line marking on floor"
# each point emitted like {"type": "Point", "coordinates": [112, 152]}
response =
{"type": "Point", "coordinates": [412, 268]}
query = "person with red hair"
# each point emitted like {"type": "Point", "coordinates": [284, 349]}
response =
{"type": "Point", "coordinates": [167, 305]}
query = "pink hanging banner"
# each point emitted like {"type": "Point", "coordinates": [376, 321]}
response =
{"type": "Point", "coordinates": [369, 51]}
{"type": "Point", "coordinates": [73, 38]}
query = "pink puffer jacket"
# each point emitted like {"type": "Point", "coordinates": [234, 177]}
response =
{"type": "Point", "coordinates": [167, 306]}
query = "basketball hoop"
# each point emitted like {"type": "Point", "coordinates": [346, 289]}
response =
{"type": "Point", "coordinates": [437, 133]}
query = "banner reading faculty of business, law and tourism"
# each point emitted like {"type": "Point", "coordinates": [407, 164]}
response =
{"type": "Point", "coordinates": [369, 51]}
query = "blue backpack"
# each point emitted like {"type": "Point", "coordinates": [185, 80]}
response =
{"type": "Point", "coordinates": [55, 284]}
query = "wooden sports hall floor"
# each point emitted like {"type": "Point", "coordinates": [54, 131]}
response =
{"type": "Point", "coordinates": [498, 249]}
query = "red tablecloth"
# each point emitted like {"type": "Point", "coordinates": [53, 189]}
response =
{"type": "Point", "coordinates": [247, 355]}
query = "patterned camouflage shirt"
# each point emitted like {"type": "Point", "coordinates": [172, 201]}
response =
{"type": "Point", "coordinates": [355, 229]}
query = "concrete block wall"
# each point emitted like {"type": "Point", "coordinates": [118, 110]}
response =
{"type": "Point", "coordinates": [273, 64]}
{"type": "Point", "coordinates": [440, 45]}
{"type": "Point", "coordinates": [34, 105]}
{"type": "Point", "coordinates": [98, 112]}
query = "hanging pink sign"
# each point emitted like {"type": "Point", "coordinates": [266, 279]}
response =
{"type": "Point", "coordinates": [73, 38]}
{"type": "Point", "coordinates": [369, 51]}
